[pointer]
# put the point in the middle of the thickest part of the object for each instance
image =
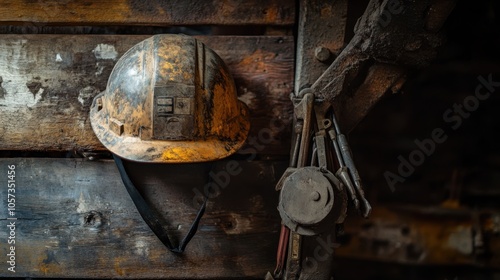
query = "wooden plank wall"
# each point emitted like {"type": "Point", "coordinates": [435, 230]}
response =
{"type": "Point", "coordinates": [75, 219]}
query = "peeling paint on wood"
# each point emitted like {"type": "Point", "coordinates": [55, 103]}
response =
{"type": "Point", "coordinates": [104, 51]}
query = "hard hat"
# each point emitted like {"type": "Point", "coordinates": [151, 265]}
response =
{"type": "Point", "coordinates": [170, 99]}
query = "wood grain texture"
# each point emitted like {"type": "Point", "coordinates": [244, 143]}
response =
{"type": "Point", "coordinates": [147, 12]}
{"type": "Point", "coordinates": [49, 81]}
{"type": "Point", "coordinates": [75, 219]}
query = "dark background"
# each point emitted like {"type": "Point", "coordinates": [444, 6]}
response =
{"type": "Point", "coordinates": [464, 169]}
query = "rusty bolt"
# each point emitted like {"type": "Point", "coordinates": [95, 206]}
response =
{"type": "Point", "coordinates": [322, 54]}
{"type": "Point", "coordinates": [315, 196]}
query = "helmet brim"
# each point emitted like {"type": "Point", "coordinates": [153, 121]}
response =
{"type": "Point", "coordinates": [165, 151]}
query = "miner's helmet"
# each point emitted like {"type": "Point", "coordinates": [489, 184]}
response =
{"type": "Point", "coordinates": [170, 99]}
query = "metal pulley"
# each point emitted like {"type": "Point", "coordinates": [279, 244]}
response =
{"type": "Point", "coordinates": [311, 200]}
{"type": "Point", "coordinates": [316, 188]}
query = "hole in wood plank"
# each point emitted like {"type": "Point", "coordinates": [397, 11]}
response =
{"type": "Point", "coordinates": [92, 219]}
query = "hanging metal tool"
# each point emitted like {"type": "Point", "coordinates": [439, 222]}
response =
{"type": "Point", "coordinates": [316, 188]}
{"type": "Point", "coordinates": [345, 152]}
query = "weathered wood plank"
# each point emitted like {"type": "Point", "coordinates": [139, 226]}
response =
{"type": "Point", "coordinates": [49, 82]}
{"type": "Point", "coordinates": [147, 12]}
{"type": "Point", "coordinates": [75, 219]}
{"type": "Point", "coordinates": [423, 235]}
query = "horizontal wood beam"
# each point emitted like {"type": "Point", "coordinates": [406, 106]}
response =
{"type": "Point", "coordinates": [76, 219]}
{"type": "Point", "coordinates": [423, 236]}
{"type": "Point", "coordinates": [49, 81]}
{"type": "Point", "coordinates": [147, 12]}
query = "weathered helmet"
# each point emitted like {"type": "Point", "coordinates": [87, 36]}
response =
{"type": "Point", "coordinates": [170, 99]}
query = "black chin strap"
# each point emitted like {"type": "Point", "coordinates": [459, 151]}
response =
{"type": "Point", "coordinates": [151, 218]}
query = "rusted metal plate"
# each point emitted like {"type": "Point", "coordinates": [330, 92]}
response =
{"type": "Point", "coordinates": [49, 82]}
{"type": "Point", "coordinates": [147, 12]}
{"type": "Point", "coordinates": [76, 219]}
{"type": "Point", "coordinates": [321, 37]}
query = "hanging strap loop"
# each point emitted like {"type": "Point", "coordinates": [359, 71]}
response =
{"type": "Point", "coordinates": [151, 218]}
